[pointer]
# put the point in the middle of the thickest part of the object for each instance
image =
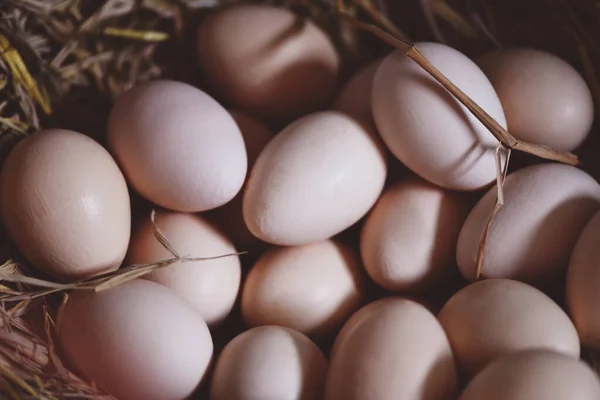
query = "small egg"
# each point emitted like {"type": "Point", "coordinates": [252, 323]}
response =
{"type": "Point", "coordinates": [316, 178]}
{"type": "Point", "coordinates": [268, 61]}
{"type": "Point", "coordinates": [269, 362]}
{"type": "Point", "coordinates": [392, 349]}
{"type": "Point", "coordinates": [493, 317]}
{"type": "Point", "coordinates": [171, 139]}
{"type": "Point", "coordinates": [64, 202]}
{"type": "Point", "coordinates": [230, 217]}
{"type": "Point", "coordinates": [426, 128]}
{"type": "Point", "coordinates": [583, 283]}
{"type": "Point", "coordinates": [138, 341]}
{"type": "Point", "coordinates": [312, 288]}
{"type": "Point", "coordinates": [531, 238]}
{"type": "Point", "coordinates": [409, 239]}
{"type": "Point", "coordinates": [355, 97]}
{"type": "Point", "coordinates": [534, 375]}
{"type": "Point", "coordinates": [210, 286]}
{"type": "Point", "coordinates": [545, 100]}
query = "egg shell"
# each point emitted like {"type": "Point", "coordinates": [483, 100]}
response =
{"type": "Point", "coordinates": [393, 348]}
{"type": "Point", "coordinates": [210, 286]}
{"type": "Point", "coordinates": [355, 97]}
{"type": "Point", "coordinates": [316, 178]}
{"type": "Point", "coordinates": [268, 61]}
{"type": "Point", "coordinates": [494, 317]}
{"type": "Point", "coordinates": [171, 138]}
{"type": "Point", "coordinates": [408, 241]}
{"type": "Point", "coordinates": [64, 202]}
{"type": "Point", "coordinates": [230, 217]}
{"type": "Point", "coordinates": [426, 128]}
{"type": "Point", "coordinates": [312, 288]}
{"type": "Point", "coordinates": [583, 281]}
{"type": "Point", "coordinates": [531, 238]}
{"type": "Point", "coordinates": [545, 100]}
{"type": "Point", "coordinates": [534, 375]}
{"type": "Point", "coordinates": [269, 362]}
{"type": "Point", "coordinates": [138, 340]}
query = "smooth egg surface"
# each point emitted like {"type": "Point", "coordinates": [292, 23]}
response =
{"type": "Point", "coordinates": [138, 341]}
{"type": "Point", "coordinates": [428, 129]}
{"type": "Point", "coordinates": [355, 97]}
{"type": "Point", "coordinates": [316, 178]}
{"type": "Point", "coordinates": [171, 140]}
{"type": "Point", "coordinates": [64, 202]}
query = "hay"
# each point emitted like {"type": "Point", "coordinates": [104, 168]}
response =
{"type": "Point", "coordinates": [63, 62]}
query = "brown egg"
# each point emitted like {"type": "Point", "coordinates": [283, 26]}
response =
{"type": "Point", "coordinates": [268, 61]}
{"type": "Point", "coordinates": [583, 283]}
{"type": "Point", "coordinates": [532, 236]}
{"type": "Point", "coordinates": [493, 317]}
{"type": "Point", "coordinates": [409, 239]}
{"type": "Point", "coordinates": [534, 375]}
{"type": "Point", "coordinates": [428, 129]}
{"type": "Point", "coordinates": [210, 286]}
{"type": "Point", "coordinates": [393, 348]}
{"type": "Point", "coordinates": [312, 288]}
{"type": "Point", "coordinates": [355, 97]}
{"type": "Point", "coordinates": [65, 203]}
{"type": "Point", "coordinates": [269, 362]}
{"type": "Point", "coordinates": [230, 217]}
{"type": "Point", "coordinates": [171, 140]}
{"type": "Point", "coordinates": [545, 100]}
{"type": "Point", "coordinates": [316, 178]}
{"type": "Point", "coordinates": [138, 341]}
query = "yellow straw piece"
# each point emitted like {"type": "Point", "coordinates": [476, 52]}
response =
{"type": "Point", "coordinates": [14, 124]}
{"type": "Point", "coordinates": [21, 74]}
{"type": "Point", "coordinates": [146, 36]}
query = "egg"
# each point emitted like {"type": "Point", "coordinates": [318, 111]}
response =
{"type": "Point", "coordinates": [269, 362]}
{"type": "Point", "coordinates": [64, 202]}
{"type": "Point", "coordinates": [137, 341]}
{"type": "Point", "coordinates": [532, 236]}
{"type": "Point", "coordinates": [210, 286]}
{"type": "Point", "coordinates": [316, 178]}
{"type": "Point", "coordinates": [393, 348]}
{"type": "Point", "coordinates": [170, 139]}
{"type": "Point", "coordinates": [545, 100]}
{"type": "Point", "coordinates": [408, 241]}
{"type": "Point", "coordinates": [534, 375]}
{"type": "Point", "coordinates": [583, 281]}
{"type": "Point", "coordinates": [268, 61]}
{"type": "Point", "coordinates": [494, 317]}
{"type": "Point", "coordinates": [355, 97]}
{"type": "Point", "coordinates": [426, 128]}
{"type": "Point", "coordinates": [230, 217]}
{"type": "Point", "coordinates": [312, 288]}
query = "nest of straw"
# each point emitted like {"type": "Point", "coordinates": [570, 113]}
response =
{"type": "Point", "coordinates": [63, 63]}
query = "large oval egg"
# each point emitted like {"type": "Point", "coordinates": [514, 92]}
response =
{"type": "Point", "coordinates": [210, 286]}
{"type": "Point", "coordinates": [534, 375]}
{"type": "Point", "coordinates": [355, 97]}
{"type": "Point", "coordinates": [171, 139]}
{"type": "Point", "coordinates": [391, 349]}
{"type": "Point", "coordinates": [545, 100]}
{"type": "Point", "coordinates": [409, 239]}
{"type": "Point", "coordinates": [426, 128]}
{"type": "Point", "coordinates": [269, 362]}
{"type": "Point", "coordinates": [312, 288]}
{"type": "Point", "coordinates": [230, 217]}
{"type": "Point", "coordinates": [138, 341]}
{"type": "Point", "coordinates": [532, 236]}
{"type": "Point", "coordinates": [316, 178]}
{"type": "Point", "coordinates": [583, 283]}
{"type": "Point", "coordinates": [268, 61]}
{"type": "Point", "coordinates": [65, 203]}
{"type": "Point", "coordinates": [493, 317]}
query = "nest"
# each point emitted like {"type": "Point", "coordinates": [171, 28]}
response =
{"type": "Point", "coordinates": [63, 63]}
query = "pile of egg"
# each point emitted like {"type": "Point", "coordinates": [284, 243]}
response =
{"type": "Point", "coordinates": [222, 182]}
